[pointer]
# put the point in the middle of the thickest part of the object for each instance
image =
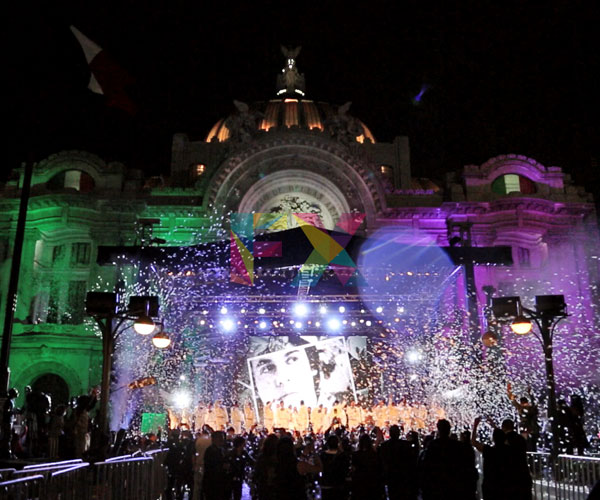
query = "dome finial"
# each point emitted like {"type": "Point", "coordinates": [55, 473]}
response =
{"type": "Point", "coordinates": [290, 82]}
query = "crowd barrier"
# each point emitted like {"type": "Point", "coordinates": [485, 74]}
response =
{"type": "Point", "coordinates": [141, 477]}
{"type": "Point", "coordinates": [567, 477]}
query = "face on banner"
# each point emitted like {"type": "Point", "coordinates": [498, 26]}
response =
{"type": "Point", "coordinates": [284, 375]}
{"type": "Point", "coordinates": [316, 372]}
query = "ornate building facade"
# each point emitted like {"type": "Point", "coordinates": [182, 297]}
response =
{"type": "Point", "coordinates": [285, 155]}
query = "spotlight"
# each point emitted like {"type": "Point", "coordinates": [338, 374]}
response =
{"type": "Point", "coordinates": [228, 324]}
{"type": "Point", "coordinates": [182, 399]}
{"type": "Point", "coordinates": [323, 309]}
{"type": "Point", "coordinates": [262, 310]}
{"type": "Point", "coordinates": [334, 324]}
{"type": "Point", "coordinates": [223, 310]}
{"type": "Point", "coordinates": [341, 309]}
{"type": "Point", "coordinates": [317, 324]}
{"type": "Point", "coordinates": [301, 309]}
{"type": "Point", "coordinates": [298, 324]}
{"type": "Point", "coordinates": [413, 356]}
{"type": "Point", "coordinates": [262, 325]}
{"type": "Point", "coordinates": [379, 309]}
{"type": "Point", "coordinates": [400, 309]}
{"type": "Point", "coordinates": [368, 323]}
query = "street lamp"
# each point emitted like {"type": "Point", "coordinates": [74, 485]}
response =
{"type": "Point", "coordinates": [549, 310]}
{"type": "Point", "coordinates": [104, 308]}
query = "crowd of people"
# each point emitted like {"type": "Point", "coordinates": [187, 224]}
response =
{"type": "Point", "coordinates": [40, 430]}
{"type": "Point", "coordinates": [392, 450]}
{"type": "Point", "coordinates": [367, 462]}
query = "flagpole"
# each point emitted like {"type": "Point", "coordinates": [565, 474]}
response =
{"type": "Point", "coordinates": [13, 284]}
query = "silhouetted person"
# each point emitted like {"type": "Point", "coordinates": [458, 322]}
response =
{"type": "Point", "coordinates": [8, 412]}
{"type": "Point", "coordinates": [290, 472]}
{"type": "Point", "coordinates": [367, 480]}
{"type": "Point", "coordinates": [446, 470]}
{"type": "Point", "coordinates": [399, 462]}
{"type": "Point", "coordinates": [336, 464]}
{"type": "Point", "coordinates": [216, 484]}
{"type": "Point", "coordinates": [264, 471]}
{"type": "Point", "coordinates": [495, 485]}
{"type": "Point", "coordinates": [239, 460]}
{"type": "Point", "coordinates": [517, 470]}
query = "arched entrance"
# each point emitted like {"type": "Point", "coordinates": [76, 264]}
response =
{"type": "Point", "coordinates": [53, 385]}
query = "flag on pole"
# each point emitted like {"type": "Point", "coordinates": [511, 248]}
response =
{"type": "Point", "coordinates": [107, 77]}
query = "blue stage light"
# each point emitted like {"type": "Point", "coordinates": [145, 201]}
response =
{"type": "Point", "coordinates": [334, 324]}
{"type": "Point", "coordinates": [301, 309]}
{"type": "Point", "coordinates": [228, 325]}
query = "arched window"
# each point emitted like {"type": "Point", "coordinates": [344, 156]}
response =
{"type": "Point", "coordinates": [73, 179]}
{"type": "Point", "coordinates": [513, 183]}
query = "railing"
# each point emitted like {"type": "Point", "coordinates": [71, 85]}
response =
{"type": "Point", "coordinates": [127, 477]}
{"type": "Point", "coordinates": [568, 477]}
{"type": "Point", "coordinates": [23, 488]}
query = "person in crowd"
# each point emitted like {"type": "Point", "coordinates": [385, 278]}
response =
{"type": "Point", "coordinates": [367, 479]}
{"type": "Point", "coordinates": [290, 472]}
{"type": "Point", "coordinates": [8, 414]}
{"type": "Point", "coordinates": [81, 423]}
{"type": "Point", "coordinates": [203, 441]}
{"type": "Point", "coordinates": [239, 461]}
{"type": "Point", "coordinates": [354, 413]}
{"type": "Point", "coordinates": [265, 470]}
{"type": "Point", "coordinates": [518, 471]}
{"type": "Point", "coordinates": [216, 483]}
{"type": "Point", "coordinates": [55, 430]}
{"type": "Point", "coordinates": [336, 465]}
{"type": "Point", "coordinates": [445, 469]}
{"type": "Point", "coordinates": [580, 440]}
{"type": "Point", "coordinates": [528, 417]}
{"type": "Point", "coordinates": [495, 462]}
{"type": "Point", "coordinates": [399, 463]}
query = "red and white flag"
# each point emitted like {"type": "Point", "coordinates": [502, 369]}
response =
{"type": "Point", "coordinates": [107, 77]}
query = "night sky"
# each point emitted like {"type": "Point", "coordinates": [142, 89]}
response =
{"type": "Point", "coordinates": [501, 76]}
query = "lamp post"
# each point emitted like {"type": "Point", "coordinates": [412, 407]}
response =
{"type": "Point", "coordinates": [104, 307]}
{"type": "Point", "coordinates": [549, 310]}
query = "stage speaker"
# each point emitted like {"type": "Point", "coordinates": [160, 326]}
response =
{"type": "Point", "coordinates": [101, 303]}
{"type": "Point", "coordinates": [553, 305]}
{"type": "Point", "coordinates": [506, 307]}
{"type": "Point", "coordinates": [144, 304]}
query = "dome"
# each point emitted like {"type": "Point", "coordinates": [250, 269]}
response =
{"type": "Point", "coordinates": [285, 113]}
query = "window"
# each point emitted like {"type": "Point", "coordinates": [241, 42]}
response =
{"type": "Point", "coordinates": [57, 253]}
{"type": "Point", "coordinates": [71, 179]}
{"type": "Point", "coordinates": [513, 183]}
{"type": "Point", "coordinates": [200, 168]}
{"type": "Point", "coordinates": [80, 254]}
{"type": "Point", "coordinates": [523, 257]}
{"type": "Point", "coordinates": [75, 303]}
{"type": "Point", "coordinates": [385, 170]}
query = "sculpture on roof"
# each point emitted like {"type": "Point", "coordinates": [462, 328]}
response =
{"type": "Point", "coordinates": [343, 127]}
{"type": "Point", "coordinates": [243, 124]}
{"type": "Point", "coordinates": [290, 81]}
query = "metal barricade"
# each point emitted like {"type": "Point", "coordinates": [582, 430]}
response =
{"type": "Point", "coordinates": [6, 474]}
{"type": "Point", "coordinates": [567, 477]}
{"type": "Point", "coordinates": [159, 472]}
{"type": "Point", "coordinates": [69, 484]}
{"type": "Point", "coordinates": [128, 479]}
{"type": "Point", "coordinates": [62, 463]}
{"type": "Point", "coordinates": [24, 488]}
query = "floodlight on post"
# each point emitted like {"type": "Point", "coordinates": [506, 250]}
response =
{"type": "Point", "coordinates": [104, 308]}
{"type": "Point", "coordinates": [549, 310]}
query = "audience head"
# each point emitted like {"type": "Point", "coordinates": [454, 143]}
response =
{"type": "Point", "coordinates": [332, 442]}
{"type": "Point", "coordinates": [443, 428]}
{"type": "Point", "coordinates": [394, 432]}
{"type": "Point", "coordinates": [508, 425]}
